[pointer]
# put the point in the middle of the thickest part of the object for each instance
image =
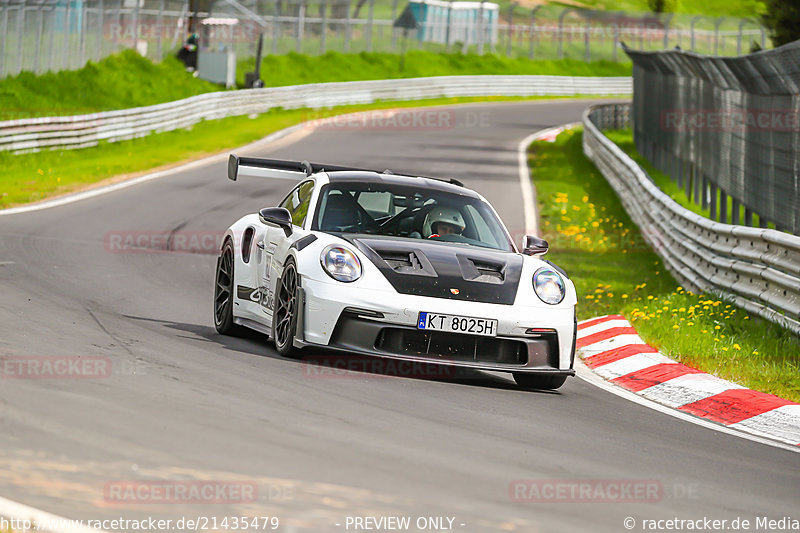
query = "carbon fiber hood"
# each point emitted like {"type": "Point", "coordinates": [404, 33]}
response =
{"type": "Point", "coordinates": [440, 270]}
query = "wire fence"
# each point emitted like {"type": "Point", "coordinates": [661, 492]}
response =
{"type": "Point", "coordinates": [727, 130]}
{"type": "Point", "coordinates": [52, 35]}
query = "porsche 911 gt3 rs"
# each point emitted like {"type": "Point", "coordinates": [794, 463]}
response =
{"type": "Point", "coordinates": [406, 267]}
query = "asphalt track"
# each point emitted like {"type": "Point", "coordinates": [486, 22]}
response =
{"type": "Point", "coordinates": [184, 403]}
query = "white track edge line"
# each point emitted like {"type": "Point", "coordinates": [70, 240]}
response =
{"type": "Point", "coordinates": [586, 374]}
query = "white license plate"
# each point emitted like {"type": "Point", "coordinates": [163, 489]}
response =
{"type": "Point", "coordinates": [486, 327]}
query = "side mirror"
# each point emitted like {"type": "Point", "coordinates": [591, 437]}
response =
{"type": "Point", "coordinates": [277, 216]}
{"type": "Point", "coordinates": [532, 245]}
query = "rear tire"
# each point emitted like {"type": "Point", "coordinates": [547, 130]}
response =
{"type": "Point", "coordinates": [538, 381]}
{"type": "Point", "coordinates": [285, 311]}
{"type": "Point", "coordinates": [223, 293]}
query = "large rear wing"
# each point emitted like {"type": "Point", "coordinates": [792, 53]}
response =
{"type": "Point", "coordinates": [295, 170]}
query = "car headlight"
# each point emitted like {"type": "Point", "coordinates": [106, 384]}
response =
{"type": "Point", "coordinates": [549, 286]}
{"type": "Point", "coordinates": [340, 263]}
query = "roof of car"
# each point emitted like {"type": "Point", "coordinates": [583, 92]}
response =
{"type": "Point", "coordinates": [395, 179]}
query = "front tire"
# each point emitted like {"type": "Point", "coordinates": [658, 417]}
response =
{"type": "Point", "coordinates": [285, 311]}
{"type": "Point", "coordinates": [538, 381]}
{"type": "Point", "coordinates": [223, 293]}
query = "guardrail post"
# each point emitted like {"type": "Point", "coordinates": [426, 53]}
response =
{"type": "Point", "coordinates": [762, 222]}
{"type": "Point", "coordinates": [689, 179]}
{"type": "Point", "coordinates": [698, 181]}
{"type": "Point", "coordinates": [301, 23]}
{"type": "Point", "coordinates": [723, 207]}
{"type": "Point", "coordinates": [704, 198]}
{"type": "Point", "coordinates": [675, 162]}
{"type": "Point", "coordinates": [748, 216]}
{"type": "Point", "coordinates": [712, 208]}
{"type": "Point", "coordinates": [735, 211]}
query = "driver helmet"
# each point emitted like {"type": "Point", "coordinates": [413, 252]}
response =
{"type": "Point", "coordinates": [448, 215]}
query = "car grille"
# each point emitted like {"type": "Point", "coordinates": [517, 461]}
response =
{"type": "Point", "coordinates": [452, 346]}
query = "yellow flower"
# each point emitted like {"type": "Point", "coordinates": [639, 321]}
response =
{"type": "Point", "coordinates": [650, 297]}
{"type": "Point", "coordinates": [690, 323]}
{"type": "Point", "coordinates": [737, 346]}
{"type": "Point", "coordinates": [676, 326]}
{"type": "Point", "coordinates": [624, 296]}
{"type": "Point", "coordinates": [716, 327]}
{"type": "Point", "coordinates": [724, 349]}
{"type": "Point", "coordinates": [755, 352]}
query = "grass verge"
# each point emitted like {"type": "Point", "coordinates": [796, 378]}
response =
{"type": "Point", "coordinates": [35, 176]}
{"type": "Point", "coordinates": [294, 69]}
{"type": "Point", "coordinates": [614, 271]}
{"type": "Point", "coordinates": [624, 139]}
{"type": "Point", "coordinates": [128, 80]}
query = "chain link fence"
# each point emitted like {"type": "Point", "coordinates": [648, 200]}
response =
{"type": "Point", "coordinates": [726, 129]}
{"type": "Point", "coordinates": [52, 35]}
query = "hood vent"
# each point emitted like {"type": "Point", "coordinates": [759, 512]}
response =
{"type": "Point", "coordinates": [443, 270]}
{"type": "Point", "coordinates": [481, 270]}
{"type": "Point", "coordinates": [407, 262]}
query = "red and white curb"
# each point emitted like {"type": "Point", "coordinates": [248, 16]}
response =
{"type": "Point", "coordinates": [610, 346]}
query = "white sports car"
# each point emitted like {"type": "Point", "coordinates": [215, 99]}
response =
{"type": "Point", "coordinates": [412, 268]}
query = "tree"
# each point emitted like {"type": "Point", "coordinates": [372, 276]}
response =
{"type": "Point", "coordinates": [782, 19]}
{"type": "Point", "coordinates": [663, 6]}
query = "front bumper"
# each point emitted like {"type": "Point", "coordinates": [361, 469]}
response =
{"type": "Point", "coordinates": [361, 321]}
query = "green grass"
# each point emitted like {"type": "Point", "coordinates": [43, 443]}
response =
{"type": "Point", "coordinates": [120, 81]}
{"type": "Point", "coordinates": [293, 69]}
{"type": "Point", "coordinates": [624, 139]}
{"type": "Point", "coordinates": [614, 271]}
{"type": "Point", "coordinates": [714, 8]}
{"type": "Point", "coordinates": [35, 176]}
{"type": "Point", "coordinates": [128, 80]}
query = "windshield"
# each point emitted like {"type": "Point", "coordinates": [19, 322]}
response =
{"type": "Point", "coordinates": [407, 212]}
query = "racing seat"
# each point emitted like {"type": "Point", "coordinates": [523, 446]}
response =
{"type": "Point", "coordinates": [340, 212]}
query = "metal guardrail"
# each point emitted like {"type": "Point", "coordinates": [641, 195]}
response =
{"type": "Point", "coordinates": [32, 134]}
{"type": "Point", "coordinates": [758, 269]}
